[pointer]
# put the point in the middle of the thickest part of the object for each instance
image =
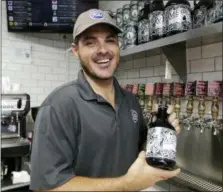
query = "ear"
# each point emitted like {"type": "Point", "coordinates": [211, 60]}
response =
{"type": "Point", "coordinates": [75, 50]}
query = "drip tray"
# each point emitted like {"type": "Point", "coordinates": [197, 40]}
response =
{"type": "Point", "coordinates": [194, 183]}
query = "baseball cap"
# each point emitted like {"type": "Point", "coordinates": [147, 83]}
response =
{"type": "Point", "coordinates": [92, 17]}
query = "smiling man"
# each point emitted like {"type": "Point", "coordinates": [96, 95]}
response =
{"type": "Point", "coordinates": [89, 133]}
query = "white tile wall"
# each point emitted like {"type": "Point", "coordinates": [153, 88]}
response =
{"type": "Point", "coordinates": [203, 63]}
{"type": "Point", "coordinates": [50, 65]}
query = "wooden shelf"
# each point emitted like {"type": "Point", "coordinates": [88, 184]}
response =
{"type": "Point", "coordinates": [174, 47]}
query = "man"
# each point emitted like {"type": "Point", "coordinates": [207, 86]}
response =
{"type": "Point", "coordinates": [88, 133]}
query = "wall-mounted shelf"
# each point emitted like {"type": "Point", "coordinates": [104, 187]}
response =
{"type": "Point", "coordinates": [174, 47]}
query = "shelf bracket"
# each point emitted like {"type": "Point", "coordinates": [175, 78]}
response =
{"type": "Point", "coordinates": [176, 55]}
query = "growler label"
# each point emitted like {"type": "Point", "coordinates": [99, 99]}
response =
{"type": "Point", "coordinates": [161, 143]}
{"type": "Point", "coordinates": [178, 18]}
{"type": "Point", "coordinates": [199, 17]}
{"type": "Point", "coordinates": [149, 89]}
{"type": "Point", "coordinates": [158, 89]}
{"type": "Point", "coordinates": [143, 31]}
{"type": "Point", "coordinates": [156, 20]}
{"type": "Point", "coordinates": [201, 88]}
{"type": "Point", "coordinates": [166, 89]}
{"type": "Point", "coordinates": [190, 88]}
{"type": "Point", "coordinates": [215, 89]}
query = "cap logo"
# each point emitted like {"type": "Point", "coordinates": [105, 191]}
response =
{"type": "Point", "coordinates": [96, 15]}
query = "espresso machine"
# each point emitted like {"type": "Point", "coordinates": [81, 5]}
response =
{"type": "Point", "coordinates": [15, 146]}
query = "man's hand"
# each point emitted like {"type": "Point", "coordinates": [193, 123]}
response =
{"type": "Point", "coordinates": [141, 176]}
{"type": "Point", "coordinates": [172, 117]}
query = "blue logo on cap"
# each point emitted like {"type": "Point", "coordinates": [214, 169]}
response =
{"type": "Point", "coordinates": [96, 15]}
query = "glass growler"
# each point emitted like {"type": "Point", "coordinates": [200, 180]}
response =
{"type": "Point", "coordinates": [156, 20]}
{"type": "Point", "coordinates": [161, 141]}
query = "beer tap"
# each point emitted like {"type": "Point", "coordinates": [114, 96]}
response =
{"type": "Point", "coordinates": [177, 92]}
{"type": "Point", "coordinates": [215, 91]}
{"type": "Point", "coordinates": [201, 92]}
{"type": "Point", "coordinates": [141, 95]}
{"type": "Point", "coordinates": [149, 91]}
{"type": "Point", "coordinates": [158, 92]}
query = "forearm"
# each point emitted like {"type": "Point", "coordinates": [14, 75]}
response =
{"type": "Point", "coordinates": [94, 184]}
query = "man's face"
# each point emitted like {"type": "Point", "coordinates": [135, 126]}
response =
{"type": "Point", "coordinates": [98, 51]}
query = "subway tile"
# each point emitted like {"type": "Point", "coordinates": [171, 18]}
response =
{"type": "Point", "coordinates": [146, 72]}
{"type": "Point", "coordinates": [212, 50]}
{"type": "Point", "coordinates": [133, 73]}
{"type": "Point", "coordinates": [218, 63]}
{"type": "Point", "coordinates": [194, 53]}
{"type": "Point", "coordinates": [212, 76]}
{"type": "Point", "coordinates": [159, 70]}
{"type": "Point", "coordinates": [194, 76]}
{"type": "Point", "coordinates": [140, 62]}
{"type": "Point", "coordinates": [202, 65]}
{"type": "Point", "coordinates": [153, 60]}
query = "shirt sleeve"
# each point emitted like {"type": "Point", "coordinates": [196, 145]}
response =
{"type": "Point", "coordinates": [53, 149]}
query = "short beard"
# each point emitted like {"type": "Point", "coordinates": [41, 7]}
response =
{"type": "Point", "coordinates": [90, 74]}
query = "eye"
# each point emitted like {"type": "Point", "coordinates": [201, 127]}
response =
{"type": "Point", "coordinates": [111, 40]}
{"type": "Point", "coordinates": [89, 43]}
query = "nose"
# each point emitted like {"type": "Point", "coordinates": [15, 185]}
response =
{"type": "Point", "coordinates": [102, 49]}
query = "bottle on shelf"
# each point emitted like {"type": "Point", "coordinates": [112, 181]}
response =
{"type": "Point", "coordinates": [134, 11]}
{"type": "Point", "coordinates": [200, 11]}
{"type": "Point", "coordinates": [161, 141]}
{"type": "Point", "coordinates": [215, 12]}
{"type": "Point", "coordinates": [156, 20]}
{"type": "Point", "coordinates": [143, 24]}
{"type": "Point", "coordinates": [177, 16]}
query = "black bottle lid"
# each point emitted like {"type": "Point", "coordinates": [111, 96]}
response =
{"type": "Point", "coordinates": [177, 2]}
{"type": "Point", "coordinates": [157, 5]}
{"type": "Point", "coordinates": [144, 13]}
{"type": "Point", "coordinates": [200, 3]}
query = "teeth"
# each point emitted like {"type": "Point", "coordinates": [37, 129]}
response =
{"type": "Point", "coordinates": [103, 61]}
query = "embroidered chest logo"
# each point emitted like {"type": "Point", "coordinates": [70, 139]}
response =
{"type": "Point", "coordinates": [134, 116]}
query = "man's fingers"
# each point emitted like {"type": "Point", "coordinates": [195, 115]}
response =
{"type": "Point", "coordinates": [170, 109]}
{"type": "Point", "coordinates": [167, 174]}
{"type": "Point", "coordinates": [142, 155]}
{"type": "Point", "coordinates": [172, 117]}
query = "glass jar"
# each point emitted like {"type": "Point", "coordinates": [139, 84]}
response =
{"type": "Point", "coordinates": [177, 16]}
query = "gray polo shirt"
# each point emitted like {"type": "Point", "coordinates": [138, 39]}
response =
{"type": "Point", "coordinates": [78, 133]}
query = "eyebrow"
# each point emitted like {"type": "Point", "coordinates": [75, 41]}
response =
{"type": "Point", "coordinates": [92, 37]}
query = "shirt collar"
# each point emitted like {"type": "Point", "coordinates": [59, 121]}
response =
{"type": "Point", "coordinates": [86, 91]}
